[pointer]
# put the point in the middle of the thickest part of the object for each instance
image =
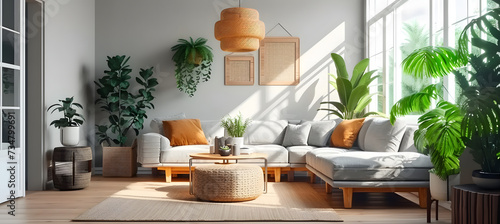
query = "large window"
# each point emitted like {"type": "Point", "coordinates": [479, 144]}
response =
{"type": "Point", "coordinates": [398, 27]}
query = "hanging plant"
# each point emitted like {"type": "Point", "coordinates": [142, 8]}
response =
{"type": "Point", "coordinates": [193, 61]}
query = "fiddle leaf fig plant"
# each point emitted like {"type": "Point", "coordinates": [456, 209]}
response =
{"type": "Point", "coordinates": [71, 117]}
{"type": "Point", "coordinates": [193, 62]}
{"type": "Point", "coordinates": [354, 93]}
{"type": "Point", "coordinates": [126, 110]}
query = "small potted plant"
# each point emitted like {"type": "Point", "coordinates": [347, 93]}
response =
{"type": "Point", "coordinates": [235, 128]}
{"type": "Point", "coordinates": [70, 123]}
{"type": "Point", "coordinates": [225, 150]}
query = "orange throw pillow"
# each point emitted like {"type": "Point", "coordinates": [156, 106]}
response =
{"type": "Point", "coordinates": [184, 132]}
{"type": "Point", "coordinates": [346, 132]}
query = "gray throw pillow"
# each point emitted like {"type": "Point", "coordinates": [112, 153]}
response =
{"type": "Point", "coordinates": [379, 135]}
{"type": "Point", "coordinates": [320, 132]}
{"type": "Point", "coordinates": [296, 135]}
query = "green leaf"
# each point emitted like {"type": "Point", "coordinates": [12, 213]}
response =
{"type": "Point", "coordinates": [340, 65]}
{"type": "Point", "coordinates": [359, 70]}
{"type": "Point", "coordinates": [344, 89]}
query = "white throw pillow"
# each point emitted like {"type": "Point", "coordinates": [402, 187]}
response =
{"type": "Point", "coordinates": [265, 132]}
{"type": "Point", "coordinates": [296, 135]}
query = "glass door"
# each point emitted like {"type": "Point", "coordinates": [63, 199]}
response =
{"type": "Point", "coordinates": [12, 157]}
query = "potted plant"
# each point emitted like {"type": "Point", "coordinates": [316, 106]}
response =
{"type": "Point", "coordinates": [445, 131]}
{"type": "Point", "coordinates": [225, 150]}
{"type": "Point", "coordinates": [354, 93]}
{"type": "Point", "coordinates": [69, 124]}
{"type": "Point", "coordinates": [126, 111]}
{"type": "Point", "coordinates": [193, 61]}
{"type": "Point", "coordinates": [235, 128]}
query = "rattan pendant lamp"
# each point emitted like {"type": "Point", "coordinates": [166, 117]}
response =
{"type": "Point", "coordinates": [239, 30]}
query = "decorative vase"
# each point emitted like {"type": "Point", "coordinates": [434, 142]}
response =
{"type": "Point", "coordinates": [441, 189]}
{"type": "Point", "coordinates": [486, 180]}
{"type": "Point", "coordinates": [235, 140]}
{"type": "Point", "coordinates": [70, 136]}
{"type": "Point", "coordinates": [224, 152]}
{"type": "Point", "coordinates": [236, 150]}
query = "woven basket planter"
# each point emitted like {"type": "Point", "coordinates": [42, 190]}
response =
{"type": "Point", "coordinates": [119, 161]}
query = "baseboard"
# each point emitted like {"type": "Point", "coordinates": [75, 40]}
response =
{"type": "Point", "coordinates": [140, 170]}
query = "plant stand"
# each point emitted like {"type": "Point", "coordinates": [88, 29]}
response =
{"type": "Point", "coordinates": [71, 167]}
{"type": "Point", "coordinates": [119, 161]}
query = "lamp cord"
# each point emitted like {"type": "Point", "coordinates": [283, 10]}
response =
{"type": "Point", "coordinates": [281, 27]}
{"type": "Point", "coordinates": [239, 3]}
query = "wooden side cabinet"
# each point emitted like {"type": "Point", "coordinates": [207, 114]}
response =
{"type": "Point", "coordinates": [72, 167]}
{"type": "Point", "coordinates": [472, 204]}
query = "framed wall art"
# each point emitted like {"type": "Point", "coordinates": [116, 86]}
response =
{"type": "Point", "coordinates": [239, 70]}
{"type": "Point", "coordinates": [279, 59]}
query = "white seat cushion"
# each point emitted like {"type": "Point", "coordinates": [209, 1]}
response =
{"type": "Point", "coordinates": [275, 153]}
{"type": "Point", "coordinates": [180, 154]}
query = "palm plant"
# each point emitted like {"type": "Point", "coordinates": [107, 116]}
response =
{"type": "Point", "coordinates": [446, 130]}
{"type": "Point", "coordinates": [193, 61]}
{"type": "Point", "coordinates": [354, 93]}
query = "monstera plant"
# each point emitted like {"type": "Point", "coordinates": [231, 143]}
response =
{"type": "Point", "coordinates": [193, 62]}
{"type": "Point", "coordinates": [446, 130]}
{"type": "Point", "coordinates": [354, 93]}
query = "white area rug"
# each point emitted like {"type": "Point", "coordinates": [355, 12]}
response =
{"type": "Point", "coordinates": [155, 201]}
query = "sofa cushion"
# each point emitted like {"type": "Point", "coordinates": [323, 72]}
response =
{"type": "Point", "coordinates": [180, 154]}
{"type": "Point", "coordinates": [297, 154]}
{"type": "Point", "coordinates": [407, 144]}
{"type": "Point", "coordinates": [321, 131]}
{"type": "Point", "coordinates": [184, 132]}
{"type": "Point", "coordinates": [346, 133]}
{"type": "Point", "coordinates": [379, 135]}
{"type": "Point", "coordinates": [275, 153]}
{"type": "Point", "coordinates": [157, 123]}
{"type": "Point", "coordinates": [265, 132]}
{"type": "Point", "coordinates": [365, 166]}
{"type": "Point", "coordinates": [296, 134]}
{"type": "Point", "coordinates": [212, 129]}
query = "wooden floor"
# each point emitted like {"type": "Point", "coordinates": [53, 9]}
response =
{"type": "Point", "coordinates": [62, 206]}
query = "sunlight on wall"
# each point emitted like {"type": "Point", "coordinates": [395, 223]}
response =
{"type": "Point", "coordinates": [280, 102]}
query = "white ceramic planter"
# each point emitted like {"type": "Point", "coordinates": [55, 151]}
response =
{"type": "Point", "coordinates": [236, 140]}
{"type": "Point", "coordinates": [70, 136]}
{"type": "Point", "coordinates": [441, 189]}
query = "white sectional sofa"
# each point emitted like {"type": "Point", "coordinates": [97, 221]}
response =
{"type": "Point", "coordinates": [383, 159]}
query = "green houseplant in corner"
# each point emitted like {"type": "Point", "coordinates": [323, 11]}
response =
{"type": "Point", "coordinates": [126, 111]}
{"type": "Point", "coordinates": [235, 128]}
{"type": "Point", "coordinates": [446, 130]}
{"type": "Point", "coordinates": [70, 123]}
{"type": "Point", "coordinates": [193, 61]}
{"type": "Point", "coordinates": [354, 93]}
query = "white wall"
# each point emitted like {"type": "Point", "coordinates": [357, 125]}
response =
{"type": "Point", "coordinates": [69, 64]}
{"type": "Point", "coordinates": [147, 29]}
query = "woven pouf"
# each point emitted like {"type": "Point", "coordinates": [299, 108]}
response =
{"type": "Point", "coordinates": [229, 182]}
